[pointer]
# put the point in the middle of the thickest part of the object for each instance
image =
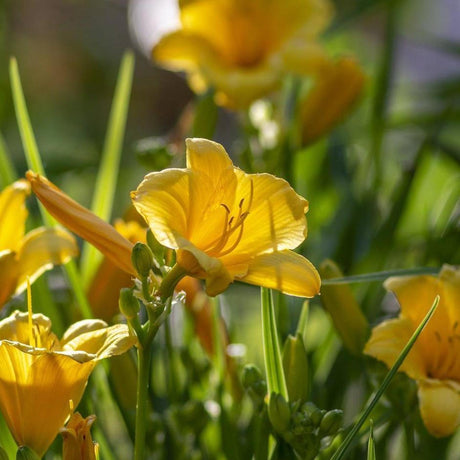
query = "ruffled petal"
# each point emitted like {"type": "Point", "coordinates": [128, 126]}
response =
{"type": "Point", "coordinates": [276, 215]}
{"type": "Point", "coordinates": [101, 342]}
{"type": "Point", "coordinates": [285, 271]}
{"type": "Point", "coordinates": [15, 327]}
{"type": "Point", "coordinates": [83, 222]}
{"type": "Point", "coordinates": [29, 394]}
{"type": "Point", "coordinates": [13, 214]}
{"type": "Point", "coordinates": [439, 402]}
{"type": "Point", "coordinates": [41, 249]}
{"type": "Point", "coordinates": [388, 340]}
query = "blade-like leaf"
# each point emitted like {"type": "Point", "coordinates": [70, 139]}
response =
{"type": "Point", "coordinates": [106, 181]}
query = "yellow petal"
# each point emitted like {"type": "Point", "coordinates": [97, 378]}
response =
{"type": "Point", "coordinates": [276, 219]}
{"type": "Point", "coordinates": [101, 342]}
{"type": "Point", "coordinates": [82, 327]}
{"type": "Point", "coordinates": [41, 249]}
{"type": "Point", "coordinates": [388, 340]}
{"type": "Point", "coordinates": [13, 214]}
{"type": "Point", "coordinates": [34, 405]}
{"type": "Point", "coordinates": [285, 271]}
{"type": "Point", "coordinates": [336, 89]}
{"type": "Point", "coordinates": [9, 274]}
{"type": "Point", "coordinates": [77, 443]}
{"type": "Point", "coordinates": [83, 222]}
{"type": "Point", "coordinates": [439, 402]}
{"type": "Point", "coordinates": [304, 58]}
{"type": "Point", "coordinates": [199, 264]}
{"type": "Point", "coordinates": [416, 294]}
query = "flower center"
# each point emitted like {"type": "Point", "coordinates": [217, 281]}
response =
{"type": "Point", "coordinates": [233, 227]}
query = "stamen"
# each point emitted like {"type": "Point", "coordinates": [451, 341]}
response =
{"type": "Point", "coordinates": [29, 310]}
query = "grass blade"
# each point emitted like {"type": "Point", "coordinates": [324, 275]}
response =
{"type": "Point", "coordinates": [35, 163]}
{"type": "Point", "coordinates": [341, 451]}
{"type": "Point", "coordinates": [272, 354]}
{"type": "Point", "coordinates": [7, 172]}
{"type": "Point", "coordinates": [104, 192]}
{"type": "Point", "coordinates": [379, 276]}
{"type": "Point", "coordinates": [371, 444]}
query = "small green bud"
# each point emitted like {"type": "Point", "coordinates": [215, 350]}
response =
{"type": "Point", "coordinates": [311, 411]}
{"type": "Point", "coordinates": [142, 259]}
{"type": "Point", "coordinates": [128, 304]}
{"type": "Point", "coordinates": [158, 249]}
{"type": "Point", "coordinates": [251, 375]}
{"type": "Point", "coordinates": [295, 364]}
{"type": "Point", "coordinates": [331, 423]}
{"type": "Point", "coordinates": [279, 413]}
{"type": "Point", "coordinates": [26, 453]}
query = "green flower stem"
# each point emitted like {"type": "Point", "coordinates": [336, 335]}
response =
{"type": "Point", "coordinates": [379, 276]}
{"type": "Point", "coordinates": [169, 282]}
{"type": "Point", "coordinates": [144, 357]}
{"type": "Point", "coordinates": [341, 451]}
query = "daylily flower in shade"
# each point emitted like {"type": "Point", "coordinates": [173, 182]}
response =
{"type": "Point", "coordinates": [225, 224]}
{"type": "Point", "coordinates": [83, 222]}
{"type": "Point", "coordinates": [77, 443]}
{"type": "Point", "coordinates": [434, 361]}
{"type": "Point", "coordinates": [40, 374]}
{"type": "Point", "coordinates": [242, 48]}
{"type": "Point", "coordinates": [28, 255]}
{"type": "Point", "coordinates": [335, 91]}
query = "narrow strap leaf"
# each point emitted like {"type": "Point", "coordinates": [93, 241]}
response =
{"type": "Point", "coordinates": [106, 181]}
{"type": "Point", "coordinates": [272, 354]}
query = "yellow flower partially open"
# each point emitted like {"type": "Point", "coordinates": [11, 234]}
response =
{"type": "Point", "coordinates": [77, 443]}
{"type": "Point", "coordinates": [40, 374]}
{"type": "Point", "coordinates": [434, 361]}
{"type": "Point", "coordinates": [28, 255]}
{"type": "Point", "coordinates": [243, 47]}
{"type": "Point", "coordinates": [226, 224]}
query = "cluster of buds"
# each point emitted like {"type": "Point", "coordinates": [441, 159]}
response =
{"type": "Point", "coordinates": [305, 427]}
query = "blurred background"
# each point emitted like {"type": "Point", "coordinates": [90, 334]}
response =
{"type": "Point", "coordinates": [402, 216]}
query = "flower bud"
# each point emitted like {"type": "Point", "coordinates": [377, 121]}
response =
{"type": "Point", "coordinates": [157, 249]}
{"type": "Point", "coordinates": [129, 305]}
{"type": "Point", "coordinates": [26, 453]}
{"type": "Point", "coordinates": [339, 302]}
{"type": "Point", "coordinates": [295, 364]}
{"type": "Point", "coordinates": [254, 383]}
{"type": "Point", "coordinates": [142, 259]}
{"type": "Point", "coordinates": [331, 423]}
{"type": "Point", "coordinates": [311, 411]}
{"type": "Point", "coordinates": [279, 413]}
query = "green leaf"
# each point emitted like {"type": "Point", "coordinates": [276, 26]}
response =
{"type": "Point", "coordinates": [6, 439]}
{"type": "Point", "coordinates": [379, 276]}
{"type": "Point", "coordinates": [29, 143]}
{"type": "Point", "coordinates": [106, 181]}
{"type": "Point", "coordinates": [276, 381]}
{"type": "Point", "coordinates": [341, 451]}
{"type": "Point", "coordinates": [370, 443]}
{"type": "Point", "coordinates": [204, 123]}
{"type": "Point", "coordinates": [7, 173]}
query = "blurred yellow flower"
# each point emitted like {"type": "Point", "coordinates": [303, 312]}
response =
{"type": "Point", "coordinates": [77, 443]}
{"type": "Point", "coordinates": [226, 224]}
{"type": "Point", "coordinates": [434, 361]}
{"type": "Point", "coordinates": [40, 374]}
{"type": "Point", "coordinates": [28, 255]}
{"type": "Point", "coordinates": [242, 48]}
{"type": "Point", "coordinates": [337, 88]}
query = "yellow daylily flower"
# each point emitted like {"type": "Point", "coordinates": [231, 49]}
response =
{"type": "Point", "coordinates": [225, 224]}
{"type": "Point", "coordinates": [28, 255]}
{"type": "Point", "coordinates": [434, 361]}
{"type": "Point", "coordinates": [40, 374]}
{"type": "Point", "coordinates": [336, 90]}
{"type": "Point", "coordinates": [256, 42]}
{"type": "Point", "coordinates": [77, 443]}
